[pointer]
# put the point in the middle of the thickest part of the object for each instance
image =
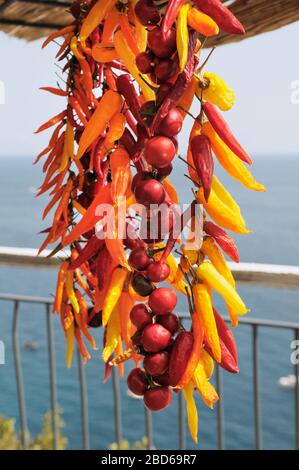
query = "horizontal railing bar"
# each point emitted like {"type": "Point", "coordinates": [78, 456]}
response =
{"type": "Point", "coordinates": [269, 275]}
{"type": "Point", "coordinates": [242, 320]}
{"type": "Point", "coordinates": [259, 322]}
{"type": "Point", "coordinates": [26, 298]}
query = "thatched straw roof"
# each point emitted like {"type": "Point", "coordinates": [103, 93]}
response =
{"type": "Point", "coordinates": [32, 19]}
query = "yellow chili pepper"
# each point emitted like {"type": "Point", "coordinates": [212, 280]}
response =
{"type": "Point", "coordinates": [202, 23]}
{"type": "Point", "coordinates": [110, 103]}
{"type": "Point", "coordinates": [128, 58]}
{"type": "Point", "coordinates": [230, 162]}
{"type": "Point", "coordinates": [192, 414]}
{"type": "Point", "coordinates": [70, 335]}
{"type": "Point", "coordinates": [116, 284]}
{"type": "Point", "coordinates": [208, 363]}
{"type": "Point", "coordinates": [182, 35]}
{"type": "Point", "coordinates": [70, 291]}
{"type": "Point", "coordinates": [205, 388]}
{"type": "Point", "coordinates": [94, 18]}
{"type": "Point", "coordinates": [225, 196]}
{"type": "Point", "coordinates": [68, 147]}
{"type": "Point", "coordinates": [203, 306]}
{"type": "Point", "coordinates": [112, 334]}
{"type": "Point", "coordinates": [207, 272]}
{"type": "Point", "coordinates": [218, 92]}
{"type": "Point", "coordinates": [221, 213]}
{"type": "Point", "coordinates": [211, 250]}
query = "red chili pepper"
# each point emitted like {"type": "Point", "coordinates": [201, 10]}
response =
{"type": "Point", "coordinates": [171, 13]}
{"type": "Point", "coordinates": [104, 266]}
{"type": "Point", "coordinates": [224, 132]}
{"type": "Point", "coordinates": [92, 247]}
{"type": "Point", "coordinates": [223, 239]}
{"type": "Point", "coordinates": [126, 88]}
{"type": "Point", "coordinates": [229, 355]}
{"type": "Point", "coordinates": [180, 85]}
{"type": "Point", "coordinates": [95, 160]}
{"type": "Point", "coordinates": [203, 161]}
{"type": "Point", "coordinates": [131, 120]}
{"type": "Point", "coordinates": [225, 19]}
{"type": "Point", "coordinates": [128, 141]}
{"type": "Point", "coordinates": [132, 239]}
{"type": "Point", "coordinates": [185, 217]}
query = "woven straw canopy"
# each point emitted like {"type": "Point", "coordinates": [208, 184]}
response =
{"type": "Point", "coordinates": [33, 19]}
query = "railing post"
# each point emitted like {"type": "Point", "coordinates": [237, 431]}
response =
{"type": "Point", "coordinates": [148, 428]}
{"type": "Point", "coordinates": [296, 372]}
{"type": "Point", "coordinates": [220, 410]}
{"type": "Point", "coordinates": [117, 407]}
{"type": "Point", "coordinates": [53, 381]}
{"type": "Point", "coordinates": [182, 430]}
{"type": "Point", "coordinates": [19, 377]}
{"type": "Point", "coordinates": [83, 404]}
{"type": "Point", "coordinates": [256, 389]}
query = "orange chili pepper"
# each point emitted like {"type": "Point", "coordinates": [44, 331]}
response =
{"type": "Point", "coordinates": [54, 91]}
{"type": "Point", "coordinates": [120, 173]}
{"type": "Point", "coordinates": [83, 318]}
{"type": "Point", "coordinates": [198, 333]}
{"type": "Point", "coordinates": [93, 19]}
{"type": "Point", "coordinates": [57, 34]}
{"type": "Point", "coordinates": [185, 102]}
{"type": "Point", "coordinates": [82, 348]}
{"type": "Point", "coordinates": [128, 34]}
{"type": "Point", "coordinates": [110, 79]}
{"type": "Point", "coordinates": [104, 53]}
{"type": "Point", "coordinates": [60, 286]}
{"type": "Point", "coordinates": [110, 25]}
{"type": "Point", "coordinates": [54, 120]}
{"type": "Point", "coordinates": [110, 103]}
{"type": "Point", "coordinates": [202, 23]}
{"type": "Point", "coordinates": [126, 303]}
{"type": "Point", "coordinates": [90, 218]}
{"type": "Point", "coordinates": [52, 202]}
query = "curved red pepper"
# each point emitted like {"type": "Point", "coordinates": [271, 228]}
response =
{"type": "Point", "coordinates": [225, 19]}
{"type": "Point", "coordinates": [126, 88]}
{"type": "Point", "coordinates": [229, 355]}
{"type": "Point", "coordinates": [180, 85]}
{"type": "Point", "coordinates": [171, 13]}
{"type": "Point", "coordinates": [224, 132]}
{"type": "Point", "coordinates": [223, 239]}
{"type": "Point", "coordinates": [93, 245]}
{"type": "Point", "coordinates": [203, 160]}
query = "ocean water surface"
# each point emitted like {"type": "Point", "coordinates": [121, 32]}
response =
{"type": "Point", "coordinates": [273, 217]}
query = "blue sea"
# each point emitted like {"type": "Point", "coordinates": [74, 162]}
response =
{"type": "Point", "coordinates": [273, 217]}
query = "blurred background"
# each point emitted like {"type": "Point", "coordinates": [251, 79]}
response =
{"type": "Point", "coordinates": [258, 408]}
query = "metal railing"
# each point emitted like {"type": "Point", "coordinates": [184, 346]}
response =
{"type": "Point", "coordinates": [269, 275]}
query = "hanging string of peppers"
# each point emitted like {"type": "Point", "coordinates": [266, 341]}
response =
{"type": "Point", "coordinates": [133, 69]}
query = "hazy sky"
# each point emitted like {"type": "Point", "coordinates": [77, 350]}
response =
{"type": "Point", "coordinates": [261, 71]}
